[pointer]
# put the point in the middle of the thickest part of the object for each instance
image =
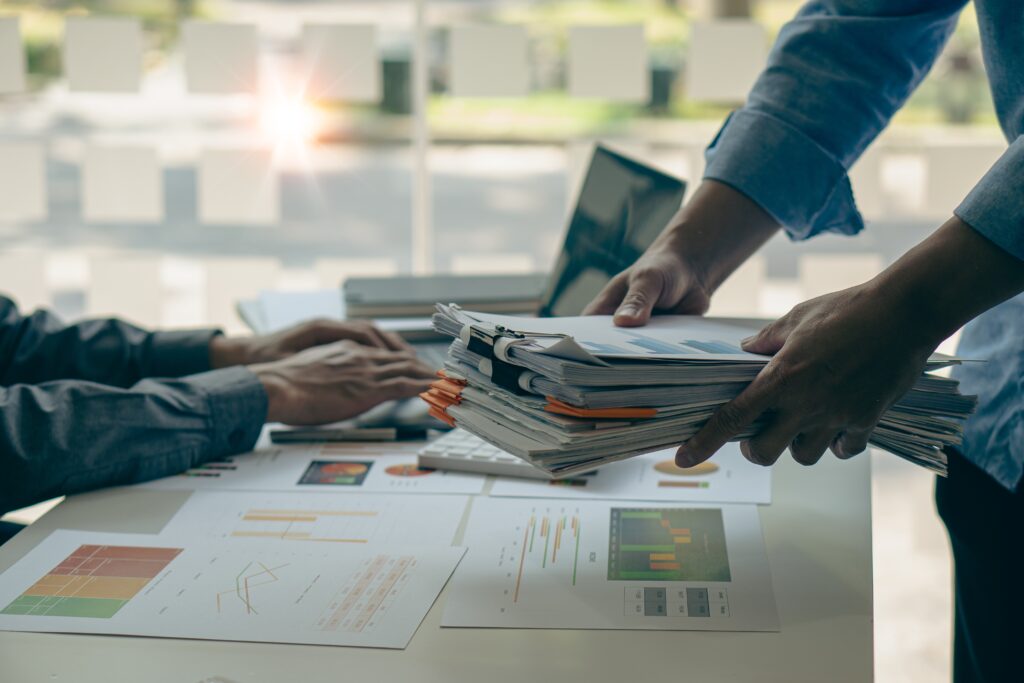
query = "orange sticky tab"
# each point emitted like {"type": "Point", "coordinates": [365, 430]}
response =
{"type": "Point", "coordinates": [439, 401]}
{"type": "Point", "coordinates": [454, 391]}
{"type": "Point", "coordinates": [556, 406]}
{"type": "Point", "coordinates": [442, 416]}
{"type": "Point", "coordinates": [443, 375]}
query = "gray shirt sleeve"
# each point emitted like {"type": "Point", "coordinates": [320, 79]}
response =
{"type": "Point", "coordinates": [77, 411]}
{"type": "Point", "coordinates": [69, 436]}
{"type": "Point", "coordinates": [39, 347]}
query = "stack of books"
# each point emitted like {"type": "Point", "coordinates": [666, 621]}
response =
{"type": "Point", "coordinates": [570, 394]}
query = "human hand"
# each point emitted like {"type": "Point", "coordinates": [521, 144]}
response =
{"type": "Point", "coordinates": [337, 381]}
{"type": "Point", "coordinates": [229, 351]}
{"type": "Point", "coordinates": [839, 362]}
{"type": "Point", "coordinates": [660, 279]}
{"type": "Point", "coordinates": [707, 240]}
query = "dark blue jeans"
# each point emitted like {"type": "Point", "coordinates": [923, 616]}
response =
{"type": "Point", "coordinates": [986, 529]}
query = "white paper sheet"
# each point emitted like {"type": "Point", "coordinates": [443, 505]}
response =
{"type": "Point", "coordinates": [298, 519]}
{"type": "Point", "coordinates": [488, 61]}
{"type": "Point", "coordinates": [103, 54]}
{"type": "Point", "coordinates": [220, 57]}
{"type": "Point", "coordinates": [336, 468]}
{"type": "Point", "coordinates": [12, 56]}
{"type": "Point", "coordinates": [341, 62]}
{"type": "Point", "coordinates": [23, 190]}
{"type": "Point", "coordinates": [283, 309]}
{"type": "Point", "coordinates": [122, 184]}
{"type": "Point", "coordinates": [603, 565]}
{"type": "Point", "coordinates": [725, 58]}
{"type": "Point", "coordinates": [125, 584]}
{"type": "Point", "coordinates": [238, 187]}
{"type": "Point", "coordinates": [608, 62]}
{"type": "Point", "coordinates": [727, 477]}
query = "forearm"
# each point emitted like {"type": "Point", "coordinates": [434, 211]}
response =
{"type": "Point", "coordinates": [65, 437]}
{"type": "Point", "coordinates": [717, 230]}
{"type": "Point", "coordinates": [949, 279]}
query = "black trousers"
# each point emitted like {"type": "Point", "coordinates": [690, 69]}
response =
{"type": "Point", "coordinates": [986, 529]}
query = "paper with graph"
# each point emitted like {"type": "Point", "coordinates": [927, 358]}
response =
{"type": "Point", "coordinates": [384, 467]}
{"type": "Point", "coordinates": [184, 587]}
{"type": "Point", "coordinates": [612, 565]}
{"type": "Point", "coordinates": [296, 519]}
{"type": "Point", "coordinates": [727, 477]}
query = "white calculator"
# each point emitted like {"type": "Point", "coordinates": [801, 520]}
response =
{"type": "Point", "coordinates": [461, 451]}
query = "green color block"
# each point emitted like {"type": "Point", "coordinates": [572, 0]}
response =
{"type": "Point", "coordinates": [649, 576]}
{"type": "Point", "coordinates": [639, 514]}
{"type": "Point", "coordinates": [50, 606]}
{"type": "Point", "coordinates": [647, 548]}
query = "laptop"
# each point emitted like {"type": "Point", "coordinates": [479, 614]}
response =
{"type": "Point", "coordinates": [621, 207]}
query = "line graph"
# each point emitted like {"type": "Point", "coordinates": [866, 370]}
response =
{"type": "Point", "coordinates": [253, 575]}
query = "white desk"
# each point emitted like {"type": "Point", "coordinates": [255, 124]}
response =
{"type": "Point", "coordinates": [818, 535]}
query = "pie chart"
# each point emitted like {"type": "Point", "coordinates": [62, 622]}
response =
{"type": "Point", "coordinates": [407, 470]}
{"type": "Point", "coordinates": [669, 467]}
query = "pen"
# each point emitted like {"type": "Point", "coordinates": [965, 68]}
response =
{"type": "Point", "coordinates": [351, 434]}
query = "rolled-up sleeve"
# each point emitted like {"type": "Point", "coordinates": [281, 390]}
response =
{"type": "Point", "coordinates": [66, 437]}
{"type": "Point", "coordinates": [836, 75]}
{"type": "Point", "coordinates": [995, 207]}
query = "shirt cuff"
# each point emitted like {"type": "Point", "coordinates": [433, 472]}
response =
{"type": "Point", "coordinates": [178, 353]}
{"type": "Point", "coordinates": [995, 207]}
{"type": "Point", "coordinates": [792, 177]}
{"type": "Point", "coordinates": [237, 409]}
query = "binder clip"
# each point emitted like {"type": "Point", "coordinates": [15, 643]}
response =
{"type": "Point", "coordinates": [492, 343]}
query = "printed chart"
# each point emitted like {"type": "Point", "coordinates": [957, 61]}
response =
{"type": "Point", "coordinates": [727, 478]}
{"type": "Point", "coordinates": [598, 565]}
{"type": "Point", "coordinates": [316, 594]}
{"type": "Point", "coordinates": [94, 581]}
{"type": "Point", "coordinates": [346, 520]}
{"type": "Point", "coordinates": [365, 467]}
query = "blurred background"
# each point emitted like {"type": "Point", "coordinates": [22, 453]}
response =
{"type": "Point", "coordinates": [302, 142]}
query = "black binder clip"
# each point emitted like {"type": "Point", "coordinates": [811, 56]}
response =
{"type": "Point", "coordinates": [481, 341]}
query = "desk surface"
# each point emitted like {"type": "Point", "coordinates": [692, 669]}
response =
{"type": "Point", "coordinates": [818, 537]}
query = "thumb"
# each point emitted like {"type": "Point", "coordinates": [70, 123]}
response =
{"type": "Point", "coordinates": [645, 288]}
{"type": "Point", "coordinates": [767, 342]}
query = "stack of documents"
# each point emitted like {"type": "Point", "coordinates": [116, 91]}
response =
{"type": "Point", "coordinates": [569, 394]}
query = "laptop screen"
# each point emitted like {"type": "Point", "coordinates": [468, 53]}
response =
{"type": "Point", "coordinates": [622, 207]}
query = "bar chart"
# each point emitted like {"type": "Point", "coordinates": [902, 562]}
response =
{"type": "Point", "coordinates": [94, 581]}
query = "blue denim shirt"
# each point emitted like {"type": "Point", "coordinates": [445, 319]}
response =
{"type": "Point", "coordinates": [834, 78]}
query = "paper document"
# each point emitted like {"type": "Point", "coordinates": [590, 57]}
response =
{"type": "Point", "coordinates": [604, 565]}
{"type": "Point", "coordinates": [282, 309]}
{"type": "Point", "coordinates": [727, 477]}
{"type": "Point", "coordinates": [183, 587]}
{"type": "Point", "coordinates": [297, 519]}
{"type": "Point", "coordinates": [383, 467]}
{"type": "Point", "coordinates": [569, 394]}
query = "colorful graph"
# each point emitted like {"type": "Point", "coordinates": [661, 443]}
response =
{"type": "Point", "coordinates": [667, 544]}
{"type": "Point", "coordinates": [408, 470]}
{"type": "Point", "coordinates": [336, 473]}
{"type": "Point", "coordinates": [551, 530]}
{"type": "Point", "coordinates": [295, 524]}
{"type": "Point", "coordinates": [253, 575]}
{"type": "Point", "coordinates": [699, 470]}
{"type": "Point", "coordinates": [94, 581]}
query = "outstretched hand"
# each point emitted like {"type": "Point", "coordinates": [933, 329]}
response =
{"type": "Point", "coordinates": [839, 362]}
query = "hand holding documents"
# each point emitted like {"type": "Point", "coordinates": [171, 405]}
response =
{"type": "Point", "coordinates": [569, 394]}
